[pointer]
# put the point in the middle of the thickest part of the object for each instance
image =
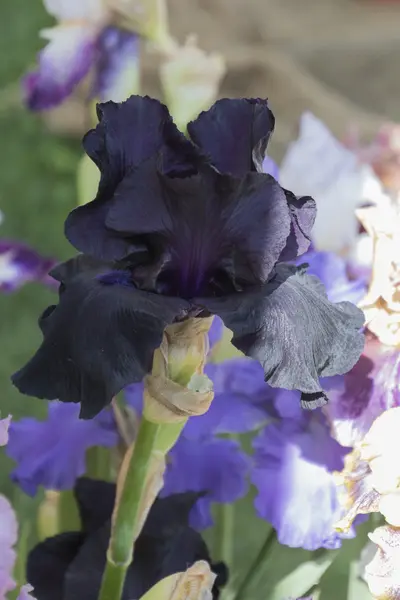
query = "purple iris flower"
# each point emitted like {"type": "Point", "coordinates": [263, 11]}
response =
{"type": "Point", "coordinates": [71, 565]}
{"type": "Point", "coordinates": [295, 455]}
{"type": "Point", "coordinates": [370, 388]}
{"type": "Point", "coordinates": [216, 467]}
{"type": "Point", "coordinates": [294, 460]}
{"type": "Point", "coordinates": [201, 462]}
{"type": "Point", "coordinates": [52, 453]}
{"type": "Point", "coordinates": [186, 227]}
{"type": "Point", "coordinates": [332, 270]}
{"type": "Point", "coordinates": [20, 264]}
{"type": "Point", "coordinates": [82, 42]}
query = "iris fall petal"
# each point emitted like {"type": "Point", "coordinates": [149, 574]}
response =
{"type": "Point", "coordinates": [295, 332]}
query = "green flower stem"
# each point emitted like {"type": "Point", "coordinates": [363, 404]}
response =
{"type": "Point", "coordinates": [256, 567]}
{"type": "Point", "coordinates": [224, 532]}
{"type": "Point", "coordinates": [153, 442]}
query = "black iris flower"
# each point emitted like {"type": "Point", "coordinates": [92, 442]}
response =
{"type": "Point", "coordinates": [181, 227]}
{"type": "Point", "coordinates": [70, 565]}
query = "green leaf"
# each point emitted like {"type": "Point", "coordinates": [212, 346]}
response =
{"type": "Point", "coordinates": [304, 576]}
{"type": "Point", "coordinates": [87, 179]}
{"type": "Point", "coordinates": [342, 581]}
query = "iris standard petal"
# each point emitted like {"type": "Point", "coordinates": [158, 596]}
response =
{"type": "Point", "coordinates": [127, 134]}
{"type": "Point", "coordinates": [205, 223]}
{"type": "Point", "coordinates": [234, 134]}
{"type": "Point", "coordinates": [294, 331]}
{"type": "Point", "coordinates": [97, 340]}
{"type": "Point", "coordinates": [63, 63]}
{"type": "Point", "coordinates": [117, 67]}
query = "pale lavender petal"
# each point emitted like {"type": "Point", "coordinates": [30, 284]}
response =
{"type": "Point", "coordinates": [269, 166]}
{"type": "Point", "coordinates": [216, 331]}
{"type": "Point", "coordinates": [20, 264]}
{"type": "Point", "coordinates": [63, 63]}
{"type": "Point", "coordinates": [76, 10]}
{"type": "Point", "coordinates": [117, 68]}
{"type": "Point", "coordinates": [216, 467]}
{"type": "Point", "coordinates": [8, 538]}
{"type": "Point", "coordinates": [24, 593]}
{"type": "Point", "coordinates": [52, 453]}
{"type": "Point", "coordinates": [331, 269]}
{"type": "Point", "coordinates": [296, 490]}
{"type": "Point", "coordinates": [4, 425]}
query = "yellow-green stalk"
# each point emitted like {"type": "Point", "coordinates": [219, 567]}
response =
{"type": "Point", "coordinates": [175, 389]}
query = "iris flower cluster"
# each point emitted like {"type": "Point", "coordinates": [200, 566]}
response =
{"type": "Point", "coordinates": [182, 227]}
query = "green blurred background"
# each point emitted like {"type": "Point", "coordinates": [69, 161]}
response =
{"type": "Point", "coordinates": [37, 190]}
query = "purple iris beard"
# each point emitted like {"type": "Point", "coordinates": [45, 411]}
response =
{"type": "Point", "coordinates": [183, 227]}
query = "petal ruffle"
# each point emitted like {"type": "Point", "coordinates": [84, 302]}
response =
{"type": "Point", "coordinates": [52, 453]}
{"type": "Point", "coordinates": [127, 134]}
{"type": "Point", "coordinates": [205, 224]}
{"type": "Point", "coordinates": [97, 340]}
{"type": "Point", "coordinates": [294, 331]}
{"type": "Point", "coordinates": [63, 63]}
{"type": "Point", "coordinates": [117, 69]}
{"type": "Point", "coordinates": [303, 211]}
{"type": "Point", "coordinates": [234, 134]}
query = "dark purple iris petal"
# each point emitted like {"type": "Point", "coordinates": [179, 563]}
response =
{"type": "Point", "coordinates": [303, 211]}
{"type": "Point", "coordinates": [70, 566]}
{"type": "Point", "coordinates": [294, 331]}
{"type": "Point", "coordinates": [96, 341]}
{"type": "Point", "coordinates": [127, 134]}
{"type": "Point", "coordinates": [234, 134]}
{"type": "Point", "coordinates": [207, 223]}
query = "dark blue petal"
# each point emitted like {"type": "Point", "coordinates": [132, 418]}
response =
{"type": "Point", "coordinates": [294, 331]}
{"type": "Point", "coordinates": [204, 225]}
{"type": "Point", "coordinates": [234, 134]}
{"type": "Point", "coordinates": [127, 134]}
{"type": "Point", "coordinates": [96, 341]}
